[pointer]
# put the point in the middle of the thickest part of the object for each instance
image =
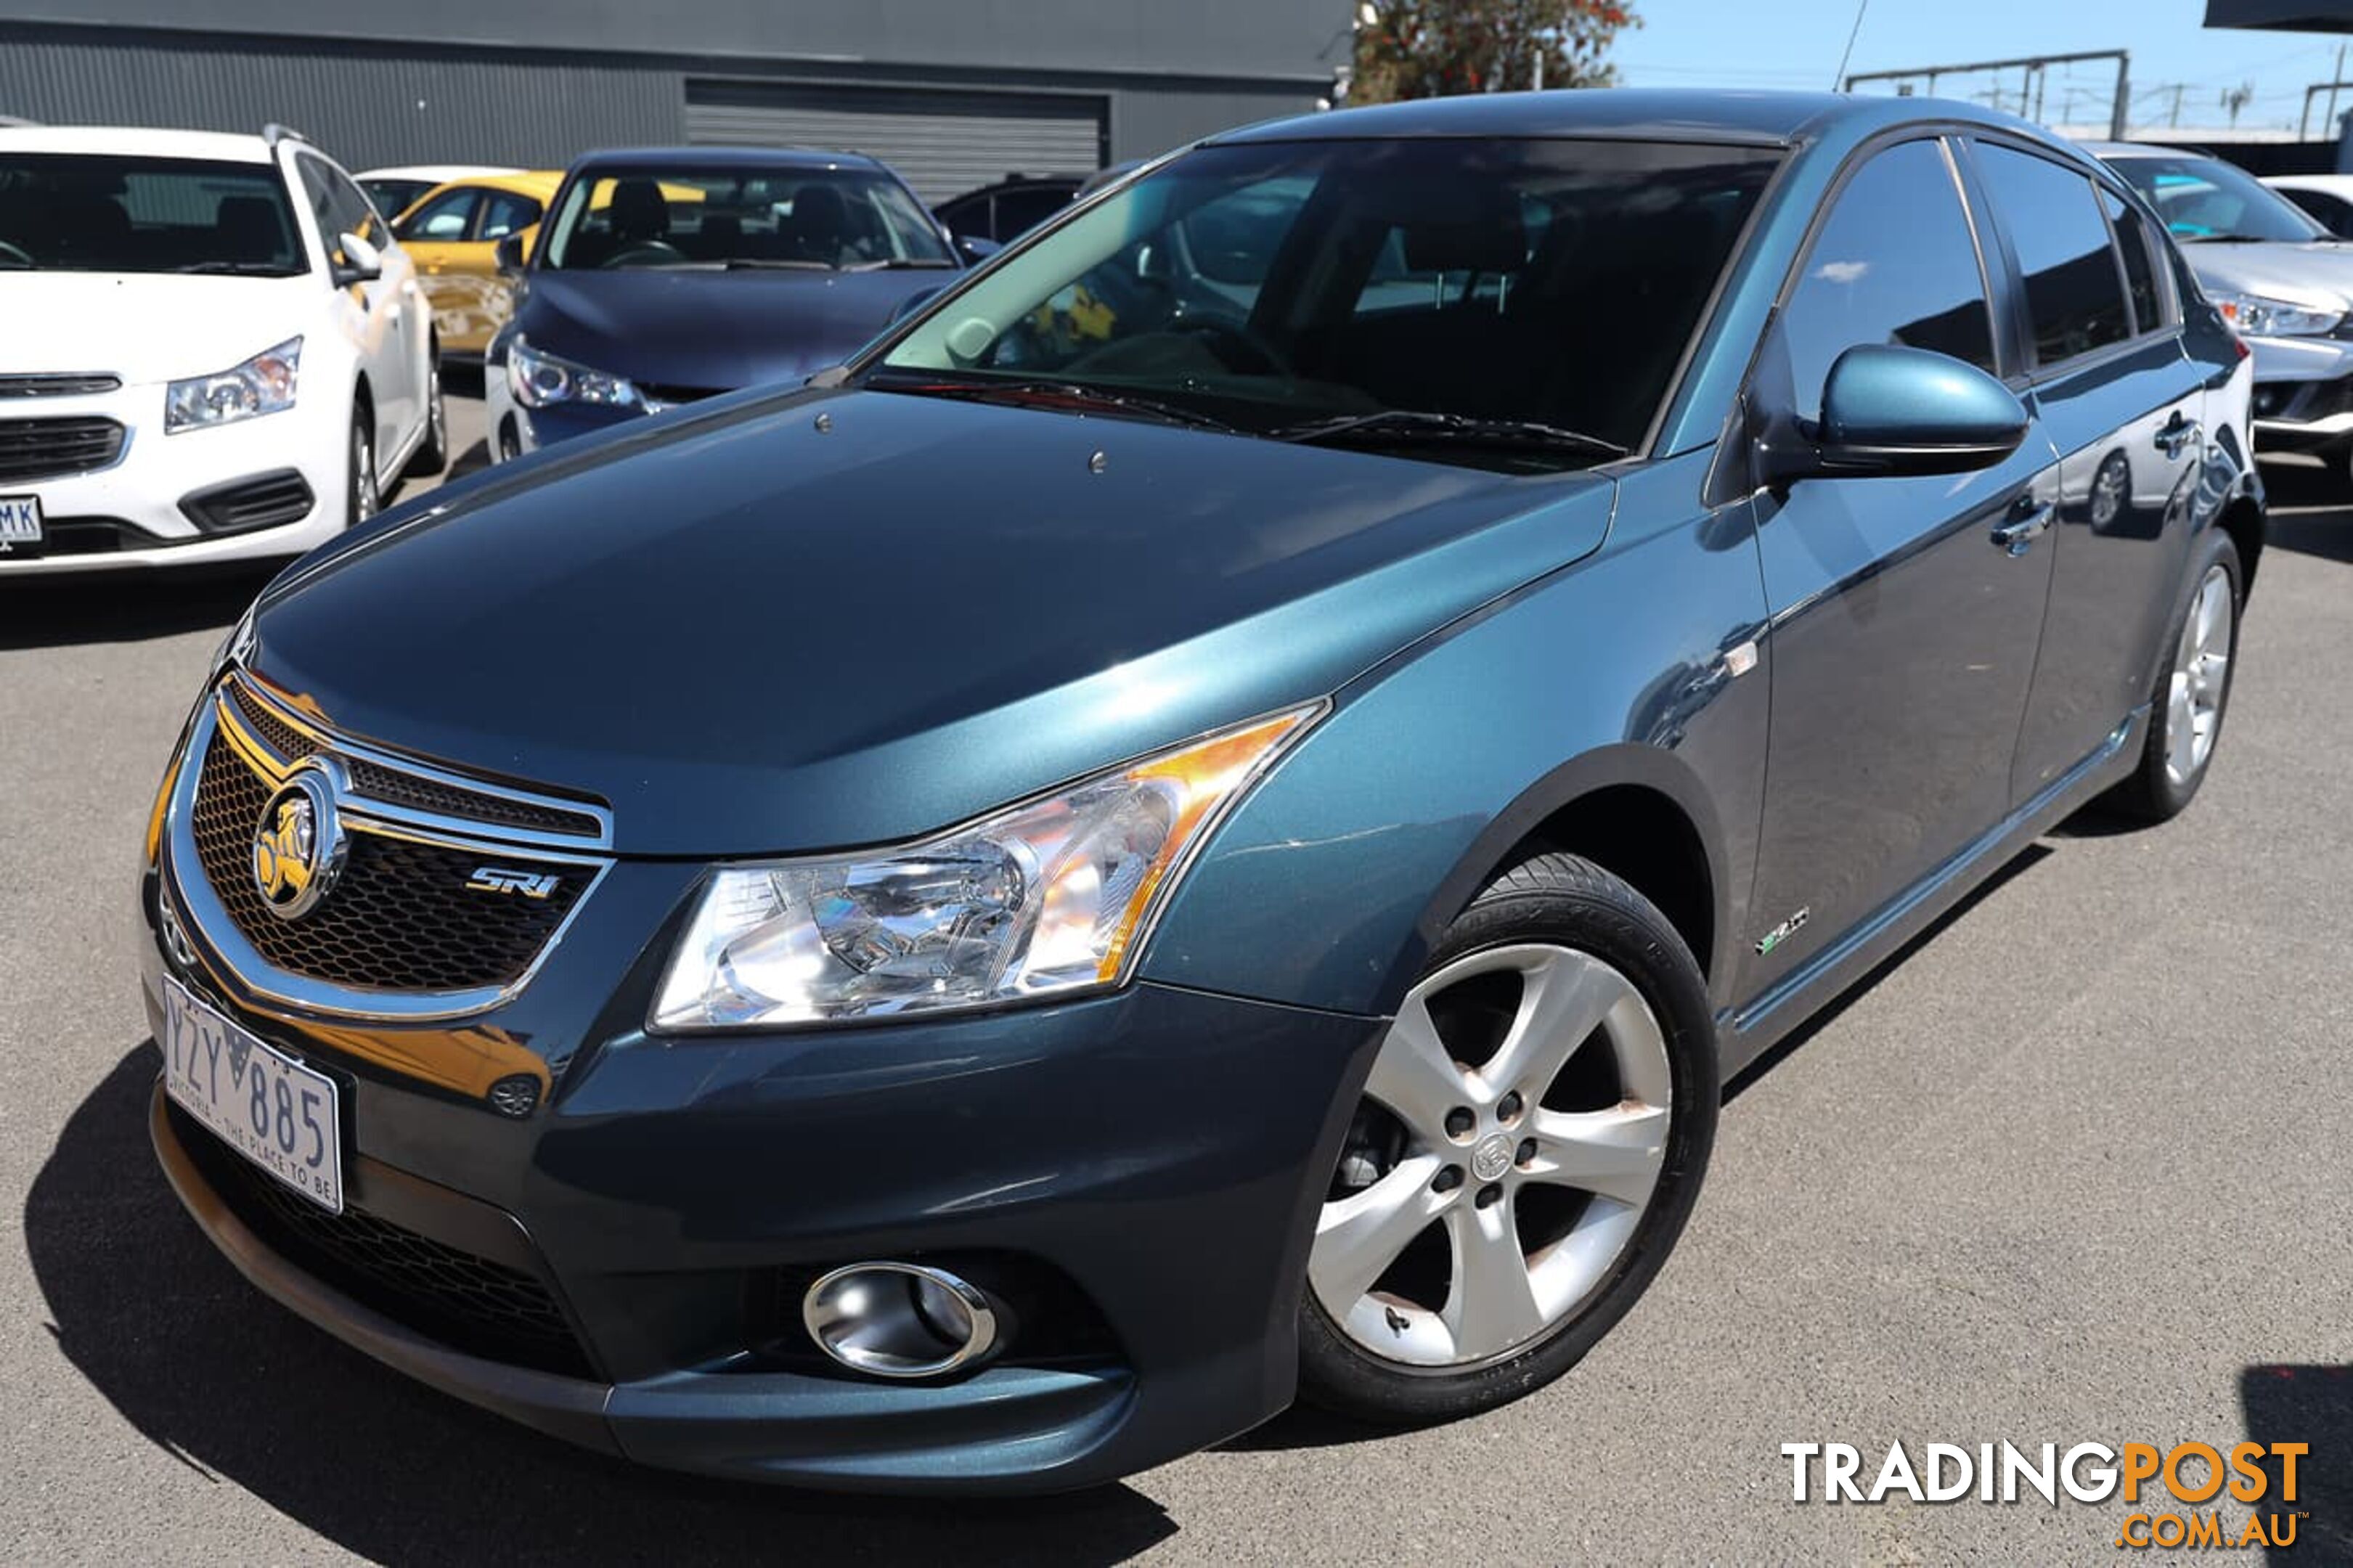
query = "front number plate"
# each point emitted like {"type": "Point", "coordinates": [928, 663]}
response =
{"type": "Point", "coordinates": [20, 519]}
{"type": "Point", "coordinates": [264, 1104]}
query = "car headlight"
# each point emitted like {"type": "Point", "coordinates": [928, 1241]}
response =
{"type": "Point", "coordinates": [537, 378]}
{"type": "Point", "coordinates": [263, 384]}
{"type": "Point", "coordinates": [1056, 895]}
{"type": "Point", "coordinates": [2259, 317]}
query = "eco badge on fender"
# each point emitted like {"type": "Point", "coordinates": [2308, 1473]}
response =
{"type": "Point", "coordinates": [298, 846]}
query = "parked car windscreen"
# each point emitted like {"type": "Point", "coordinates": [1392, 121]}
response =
{"type": "Point", "coordinates": [834, 219]}
{"type": "Point", "coordinates": [75, 212]}
{"type": "Point", "coordinates": [1520, 304]}
{"type": "Point", "coordinates": [2207, 199]}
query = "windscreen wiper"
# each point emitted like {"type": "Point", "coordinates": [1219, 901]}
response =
{"type": "Point", "coordinates": [240, 269]}
{"type": "Point", "coordinates": [900, 264]}
{"type": "Point", "coordinates": [775, 264]}
{"type": "Point", "coordinates": [1071, 396]}
{"type": "Point", "coordinates": [1398, 427]}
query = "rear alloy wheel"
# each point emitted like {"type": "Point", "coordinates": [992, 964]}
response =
{"type": "Point", "coordinates": [2193, 695]}
{"type": "Point", "coordinates": [366, 499]}
{"type": "Point", "coordinates": [1529, 1143]}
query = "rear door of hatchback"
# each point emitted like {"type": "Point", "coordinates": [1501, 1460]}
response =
{"type": "Point", "coordinates": [2110, 382]}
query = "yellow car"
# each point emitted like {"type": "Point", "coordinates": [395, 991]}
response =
{"type": "Point", "coordinates": [453, 232]}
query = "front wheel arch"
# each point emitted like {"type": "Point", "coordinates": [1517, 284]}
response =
{"type": "Point", "coordinates": [1617, 780]}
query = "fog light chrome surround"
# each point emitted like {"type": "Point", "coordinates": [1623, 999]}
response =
{"type": "Point", "coordinates": [902, 1320]}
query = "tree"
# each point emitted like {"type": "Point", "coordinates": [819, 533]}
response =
{"type": "Point", "coordinates": [1427, 48]}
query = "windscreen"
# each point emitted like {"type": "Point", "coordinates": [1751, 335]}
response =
{"type": "Point", "coordinates": [1520, 303]}
{"type": "Point", "coordinates": [838, 219]}
{"type": "Point", "coordinates": [71, 212]}
{"type": "Point", "coordinates": [2207, 199]}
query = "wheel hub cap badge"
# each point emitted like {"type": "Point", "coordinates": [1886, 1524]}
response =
{"type": "Point", "coordinates": [1491, 1158]}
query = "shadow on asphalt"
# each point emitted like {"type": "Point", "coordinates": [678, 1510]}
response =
{"type": "Point", "coordinates": [2312, 512]}
{"type": "Point", "coordinates": [2026, 861]}
{"type": "Point", "coordinates": [2311, 1406]}
{"type": "Point", "coordinates": [243, 1392]}
{"type": "Point", "coordinates": [127, 607]}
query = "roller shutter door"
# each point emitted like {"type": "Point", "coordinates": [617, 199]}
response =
{"type": "Point", "coordinates": [942, 143]}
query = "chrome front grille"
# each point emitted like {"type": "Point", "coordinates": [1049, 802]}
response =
{"type": "Point", "coordinates": [423, 918]}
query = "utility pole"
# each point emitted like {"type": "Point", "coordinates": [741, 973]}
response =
{"type": "Point", "coordinates": [2176, 121]}
{"type": "Point", "coordinates": [2333, 81]}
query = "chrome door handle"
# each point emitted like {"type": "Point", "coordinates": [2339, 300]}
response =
{"type": "Point", "coordinates": [2019, 535]}
{"type": "Point", "coordinates": [2180, 432]}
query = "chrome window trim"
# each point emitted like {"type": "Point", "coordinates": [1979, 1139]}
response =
{"type": "Point", "coordinates": [204, 919]}
{"type": "Point", "coordinates": [504, 835]}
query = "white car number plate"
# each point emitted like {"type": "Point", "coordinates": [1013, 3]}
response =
{"type": "Point", "coordinates": [20, 519]}
{"type": "Point", "coordinates": [267, 1106]}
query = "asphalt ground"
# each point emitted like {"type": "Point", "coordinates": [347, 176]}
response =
{"type": "Point", "coordinates": [2077, 1168]}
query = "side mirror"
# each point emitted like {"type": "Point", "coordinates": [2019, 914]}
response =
{"type": "Point", "coordinates": [1891, 411]}
{"type": "Point", "coordinates": [362, 263]}
{"type": "Point", "coordinates": [508, 253]}
{"type": "Point", "coordinates": [913, 302]}
{"type": "Point", "coordinates": [975, 248]}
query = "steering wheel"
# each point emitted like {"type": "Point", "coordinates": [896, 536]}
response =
{"type": "Point", "coordinates": [16, 255]}
{"type": "Point", "coordinates": [639, 251]}
{"type": "Point", "coordinates": [1233, 341]}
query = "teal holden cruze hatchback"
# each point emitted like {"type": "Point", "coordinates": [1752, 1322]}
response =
{"type": "Point", "coordinates": [1204, 822]}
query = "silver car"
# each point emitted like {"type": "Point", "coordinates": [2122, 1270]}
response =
{"type": "Point", "coordinates": [2284, 280]}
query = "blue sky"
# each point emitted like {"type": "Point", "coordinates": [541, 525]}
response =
{"type": "Point", "coordinates": [1797, 43]}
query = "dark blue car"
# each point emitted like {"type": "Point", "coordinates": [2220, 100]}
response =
{"type": "Point", "coordinates": [1204, 822]}
{"type": "Point", "coordinates": [667, 275]}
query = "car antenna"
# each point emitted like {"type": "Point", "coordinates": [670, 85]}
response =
{"type": "Point", "coordinates": [1852, 34]}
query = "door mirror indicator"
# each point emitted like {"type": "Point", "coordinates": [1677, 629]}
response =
{"type": "Point", "coordinates": [1891, 411]}
{"type": "Point", "coordinates": [361, 263]}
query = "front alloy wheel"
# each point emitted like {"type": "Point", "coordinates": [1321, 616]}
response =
{"type": "Point", "coordinates": [1528, 1144]}
{"type": "Point", "coordinates": [366, 499]}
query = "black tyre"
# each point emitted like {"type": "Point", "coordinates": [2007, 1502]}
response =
{"type": "Point", "coordinates": [2193, 690]}
{"type": "Point", "coordinates": [432, 454]}
{"type": "Point", "coordinates": [1530, 1144]}
{"type": "Point", "coordinates": [366, 497]}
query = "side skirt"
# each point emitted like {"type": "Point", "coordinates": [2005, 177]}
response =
{"type": "Point", "coordinates": [1747, 1033]}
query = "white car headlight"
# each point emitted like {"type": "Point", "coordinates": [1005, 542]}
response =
{"type": "Point", "coordinates": [263, 384]}
{"type": "Point", "coordinates": [2257, 317]}
{"type": "Point", "coordinates": [1054, 896]}
{"type": "Point", "coordinates": [537, 378]}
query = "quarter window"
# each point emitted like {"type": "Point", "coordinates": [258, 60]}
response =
{"type": "Point", "coordinates": [2140, 275]}
{"type": "Point", "coordinates": [1895, 263]}
{"type": "Point", "coordinates": [2074, 291]}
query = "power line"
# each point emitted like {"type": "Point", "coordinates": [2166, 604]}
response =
{"type": "Point", "coordinates": [1852, 34]}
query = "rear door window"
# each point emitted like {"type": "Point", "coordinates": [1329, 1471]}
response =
{"type": "Point", "coordinates": [1894, 263]}
{"type": "Point", "coordinates": [505, 213]}
{"type": "Point", "coordinates": [2075, 284]}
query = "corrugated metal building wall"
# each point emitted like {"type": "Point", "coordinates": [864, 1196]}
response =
{"type": "Point", "coordinates": [542, 81]}
{"type": "Point", "coordinates": [367, 105]}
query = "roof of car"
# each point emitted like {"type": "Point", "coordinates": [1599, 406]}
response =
{"type": "Point", "coordinates": [136, 140]}
{"type": "Point", "coordinates": [1661, 113]}
{"type": "Point", "coordinates": [2338, 184]}
{"type": "Point", "coordinates": [683, 159]}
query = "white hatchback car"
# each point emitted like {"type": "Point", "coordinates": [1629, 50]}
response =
{"type": "Point", "coordinates": [214, 349]}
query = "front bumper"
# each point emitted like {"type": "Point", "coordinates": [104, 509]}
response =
{"type": "Point", "coordinates": [149, 507]}
{"type": "Point", "coordinates": [1139, 1171]}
